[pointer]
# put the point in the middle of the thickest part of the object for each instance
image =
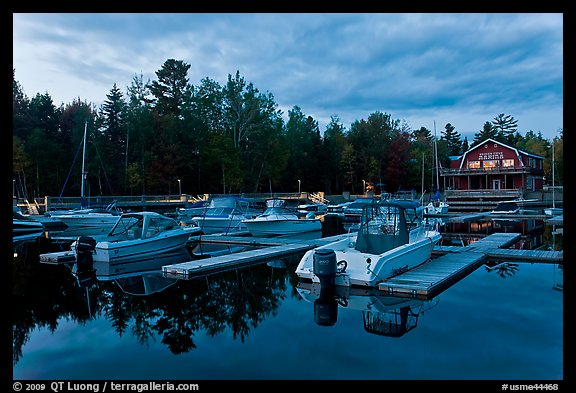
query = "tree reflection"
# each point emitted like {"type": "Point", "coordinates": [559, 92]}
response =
{"type": "Point", "coordinates": [503, 269]}
{"type": "Point", "coordinates": [238, 300]}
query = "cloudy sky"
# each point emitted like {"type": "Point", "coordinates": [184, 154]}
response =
{"type": "Point", "coordinates": [424, 69]}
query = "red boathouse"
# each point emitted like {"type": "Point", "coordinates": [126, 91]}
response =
{"type": "Point", "coordinates": [493, 165]}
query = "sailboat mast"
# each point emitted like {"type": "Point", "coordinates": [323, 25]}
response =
{"type": "Point", "coordinates": [436, 158]}
{"type": "Point", "coordinates": [83, 166]}
{"type": "Point", "coordinates": [553, 188]}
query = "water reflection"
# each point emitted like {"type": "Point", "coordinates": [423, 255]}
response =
{"type": "Point", "coordinates": [502, 269]}
{"type": "Point", "coordinates": [145, 303]}
{"type": "Point", "coordinates": [382, 315]}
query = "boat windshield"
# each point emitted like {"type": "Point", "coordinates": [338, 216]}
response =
{"type": "Point", "coordinates": [128, 227]}
{"type": "Point", "coordinates": [382, 228]}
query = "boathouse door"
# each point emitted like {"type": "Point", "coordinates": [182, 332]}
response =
{"type": "Point", "coordinates": [496, 184]}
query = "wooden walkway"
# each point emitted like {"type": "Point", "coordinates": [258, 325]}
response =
{"type": "Point", "coordinates": [273, 247]}
{"type": "Point", "coordinates": [456, 262]}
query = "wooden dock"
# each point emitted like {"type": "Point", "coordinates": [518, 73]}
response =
{"type": "Point", "coordinates": [273, 247]}
{"type": "Point", "coordinates": [456, 262]}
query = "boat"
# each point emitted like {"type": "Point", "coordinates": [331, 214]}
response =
{"type": "Point", "coordinates": [382, 315]}
{"type": "Point", "coordinates": [185, 214]}
{"type": "Point", "coordinates": [313, 207]}
{"type": "Point", "coordinates": [23, 225]}
{"type": "Point", "coordinates": [134, 237]}
{"type": "Point", "coordinates": [225, 214]}
{"type": "Point", "coordinates": [392, 238]}
{"type": "Point", "coordinates": [553, 211]}
{"type": "Point", "coordinates": [353, 211]}
{"type": "Point", "coordinates": [278, 220]}
{"type": "Point", "coordinates": [506, 207]}
{"type": "Point", "coordinates": [102, 219]}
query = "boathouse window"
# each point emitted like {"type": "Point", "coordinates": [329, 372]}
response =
{"type": "Point", "coordinates": [474, 164]}
{"type": "Point", "coordinates": [490, 164]}
{"type": "Point", "coordinates": [508, 163]}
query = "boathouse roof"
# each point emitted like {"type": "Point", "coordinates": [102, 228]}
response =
{"type": "Point", "coordinates": [519, 152]}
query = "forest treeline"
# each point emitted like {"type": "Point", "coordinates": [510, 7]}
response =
{"type": "Point", "coordinates": [167, 135]}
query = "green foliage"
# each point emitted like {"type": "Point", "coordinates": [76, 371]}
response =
{"type": "Point", "coordinates": [226, 139]}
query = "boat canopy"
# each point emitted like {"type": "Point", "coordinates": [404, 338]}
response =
{"type": "Point", "coordinates": [383, 227]}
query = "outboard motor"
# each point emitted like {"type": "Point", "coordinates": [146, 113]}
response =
{"type": "Point", "coordinates": [85, 247]}
{"type": "Point", "coordinates": [325, 266]}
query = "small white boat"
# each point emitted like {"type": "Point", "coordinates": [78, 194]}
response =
{"type": "Point", "coordinates": [185, 214]}
{"type": "Point", "coordinates": [436, 206]}
{"type": "Point", "coordinates": [23, 225]}
{"type": "Point", "coordinates": [134, 237]}
{"type": "Point", "coordinates": [313, 207]}
{"type": "Point", "coordinates": [98, 218]}
{"type": "Point", "coordinates": [392, 239]}
{"type": "Point", "coordinates": [278, 220]}
{"type": "Point", "coordinates": [225, 214]}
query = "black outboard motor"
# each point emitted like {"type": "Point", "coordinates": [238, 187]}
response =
{"type": "Point", "coordinates": [84, 250]}
{"type": "Point", "coordinates": [326, 307]}
{"type": "Point", "coordinates": [325, 266]}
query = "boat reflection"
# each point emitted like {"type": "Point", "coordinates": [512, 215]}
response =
{"type": "Point", "coordinates": [382, 315]}
{"type": "Point", "coordinates": [140, 277]}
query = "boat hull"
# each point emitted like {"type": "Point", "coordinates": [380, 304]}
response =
{"type": "Point", "coordinates": [281, 227]}
{"type": "Point", "coordinates": [85, 221]}
{"type": "Point", "coordinates": [212, 225]}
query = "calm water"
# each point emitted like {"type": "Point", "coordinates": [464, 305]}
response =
{"type": "Point", "coordinates": [504, 321]}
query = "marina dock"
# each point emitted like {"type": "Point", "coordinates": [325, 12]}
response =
{"type": "Point", "coordinates": [456, 262]}
{"type": "Point", "coordinates": [272, 247]}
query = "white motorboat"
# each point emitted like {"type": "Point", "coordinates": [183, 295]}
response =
{"type": "Point", "coordinates": [392, 239]}
{"type": "Point", "coordinates": [97, 218]}
{"type": "Point", "coordinates": [225, 214]}
{"type": "Point", "coordinates": [185, 214]}
{"type": "Point", "coordinates": [278, 220]}
{"type": "Point", "coordinates": [23, 225]}
{"type": "Point", "coordinates": [135, 236]}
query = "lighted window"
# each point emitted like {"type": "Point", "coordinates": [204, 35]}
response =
{"type": "Point", "coordinates": [508, 163]}
{"type": "Point", "coordinates": [490, 164]}
{"type": "Point", "coordinates": [474, 164]}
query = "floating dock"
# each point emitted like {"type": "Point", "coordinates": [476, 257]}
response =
{"type": "Point", "coordinates": [273, 247]}
{"type": "Point", "coordinates": [456, 262]}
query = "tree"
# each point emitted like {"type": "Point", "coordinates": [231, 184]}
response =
{"type": "Point", "coordinates": [171, 87]}
{"type": "Point", "coordinates": [488, 131]}
{"type": "Point", "coordinates": [241, 107]}
{"type": "Point", "coordinates": [453, 140]}
{"type": "Point", "coordinates": [20, 113]}
{"type": "Point", "coordinates": [113, 133]}
{"type": "Point", "coordinates": [505, 127]}
{"type": "Point", "coordinates": [139, 133]}
{"type": "Point", "coordinates": [333, 145]}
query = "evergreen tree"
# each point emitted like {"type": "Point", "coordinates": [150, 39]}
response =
{"type": "Point", "coordinates": [453, 140]}
{"type": "Point", "coordinates": [171, 87]}
{"type": "Point", "coordinates": [505, 127]}
{"type": "Point", "coordinates": [488, 131]}
{"type": "Point", "coordinates": [113, 132]}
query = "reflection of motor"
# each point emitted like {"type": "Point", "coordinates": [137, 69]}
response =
{"type": "Point", "coordinates": [326, 307]}
{"type": "Point", "coordinates": [85, 247]}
